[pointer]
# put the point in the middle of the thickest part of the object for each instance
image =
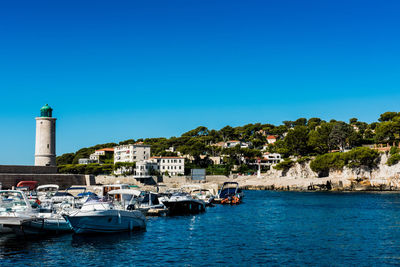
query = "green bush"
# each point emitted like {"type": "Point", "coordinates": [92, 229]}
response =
{"type": "Point", "coordinates": [93, 168]}
{"type": "Point", "coordinates": [325, 162]}
{"type": "Point", "coordinates": [218, 170]}
{"type": "Point", "coordinates": [394, 150]}
{"type": "Point", "coordinates": [303, 160]}
{"type": "Point", "coordinates": [284, 165]}
{"type": "Point", "coordinates": [357, 157]}
{"type": "Point", "coordinates": [361, 156]}
{"type": "Point", "coordinates": [394, 159]}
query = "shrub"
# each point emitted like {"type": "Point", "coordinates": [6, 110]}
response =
{"type": "Point", "coordinates": [303, 160]}
{"type": "Point", "coordinates": [361, 156]}
{"type": "Point", "coordinates": [394, 150]}
{"type": "Point", "coordinates": [394, 159]}
{"type": "Point", "coordinates": [357, 157]}
{"type": "Point", "coordinates": [284, 165]}
{"type": "Point", "coordinates": [218, 170]}
{"type": "Point", "coordinates": [94, 168]}
{"type": "Point", "coordinates": [325, 162]}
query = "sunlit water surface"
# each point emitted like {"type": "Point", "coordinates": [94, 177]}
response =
{"type": "Point", "coordinates": [269, 228]}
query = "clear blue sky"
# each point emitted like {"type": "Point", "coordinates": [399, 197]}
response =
{"type": "Point", "coordinates": [115, 70]}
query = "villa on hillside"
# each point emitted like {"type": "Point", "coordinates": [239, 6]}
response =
{"type": "Point", "coordinates": [271, 139]}
{"type": "Point", "coordinates": [100, 154]}
{"type": "Point", "coordinates": [231, 143]}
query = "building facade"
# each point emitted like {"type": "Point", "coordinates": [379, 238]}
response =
{"type": "Point", "coordinates": [171, 165]}
{"type": "Point", "coordinates": [131, 153]}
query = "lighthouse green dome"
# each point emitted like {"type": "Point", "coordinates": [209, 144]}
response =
{"type": "Point", "coordinates": [46, 111]}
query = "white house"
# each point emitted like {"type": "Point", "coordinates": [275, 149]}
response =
{"type": "Point", "coordinates": [144, 168]}
{"type": "Point", "coordinates": [172, 165]}
{"type": "Point", "coordinates": [272, 158]}
{"type": "Point", "coordinates": [231, 143]}
{"type": "Point", "coordinates": [271, 139]}
{"type": "Point", "coordinates": [245, 144]}
{"type": "Point", "coordinates": [100, 153]}
{"type": "Point", "coordinates": [131, 153]}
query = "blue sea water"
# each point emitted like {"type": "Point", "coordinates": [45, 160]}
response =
{"type": "Point", "coordinates": [269, 228]}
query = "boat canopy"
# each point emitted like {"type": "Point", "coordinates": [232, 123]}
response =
{"type": "Point", "coordinates": [77, 188]}
{"type": "Point", "coordinates": [29, 184]}
{"type": "Point", "coordinates": [84, 194]}
{"type": "Point", "coordinates": [46, 187]}
{"type": "Point", "coordinates": [124, 192]}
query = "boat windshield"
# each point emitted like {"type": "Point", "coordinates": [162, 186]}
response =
{"type": "Point", "coordinates": [226, 192]}
{"type": "Point", "coordinates": [12, 201]}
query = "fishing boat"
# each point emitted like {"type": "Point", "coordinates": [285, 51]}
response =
{"type": "Point", "coordinates": [181, 203]}
{"type": "Point", "coordinates": [230, 193]}
{"type": "Point", "coordinates": [104, 216]}
{"type": "Point", "coordinates": [17, 214]}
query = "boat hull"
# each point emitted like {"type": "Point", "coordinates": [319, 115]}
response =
{"type": "Point", "coordinates": [42, 226]}
{"type": "Point", "coordinates": [184, 207]}
{"type": "Point", "coordinates": [107, 221]}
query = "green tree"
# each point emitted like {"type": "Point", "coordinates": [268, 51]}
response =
{"type": "Point", "coordinates": [318, 139]}
{"type": "Point", "coordinates": [64, 159]}
{"type": "Point", "coordinates": [199, 131]}
{"type": "Point", "coordinates": [227, 133]}
{"type": "Point", "coordinates": [353, 120]}
{"type": "Point", "coordinates": [340, 134]}
{"type": "Point", "coordinates": [296, 140]}
{"type": "Point", "coordinates": [388, 116]}
{"type": "Point", "coordinates": [300, 122]}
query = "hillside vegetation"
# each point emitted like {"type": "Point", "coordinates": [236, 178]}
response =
{"type": "Point", "coordinates": [311, 138]}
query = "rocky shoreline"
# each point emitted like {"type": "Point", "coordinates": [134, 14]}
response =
{"type": "Point", "coordinates": [299, 177]}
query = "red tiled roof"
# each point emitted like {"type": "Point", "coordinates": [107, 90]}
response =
{"type": "Point", "coordinates": [271, 137]}
{"type": "Point", "coordinates": [231, 141]}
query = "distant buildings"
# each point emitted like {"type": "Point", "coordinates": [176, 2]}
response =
{"type": "Point", "coordinates": [101, 154]}
{"type": "Point", "coordinates": [271, 139]}
{"type": "Point", "coordinates": [131, 153]}
{"type": "Point", "coordinates": [233, 143]}
{"type": "Point", "coordinates": [171, 165]}
{"type": "Point", "coordinates": [272, 158]}
{"type": "Point", "coordinates": [86, 161]}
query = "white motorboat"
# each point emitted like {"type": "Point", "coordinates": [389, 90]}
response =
{"type": "Point", "coordinates": [17, 214]}
{"type": "Point", "coordinates": [181, 203]}
{"type": "Point", "coordinates": [46, 192]}
{"type": "Point", "coordinates": [198, 192]}
{"type": "Point", "coordinates": [103, 216]}
{"type": "Point", "coordinates": [203, 194]}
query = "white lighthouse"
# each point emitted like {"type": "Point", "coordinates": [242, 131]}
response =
{"type": "Point", "coordinates": [45, 146]}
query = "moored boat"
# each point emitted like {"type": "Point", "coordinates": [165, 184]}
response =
{"type": "Point", "coordinates": [17, 214]}
{"type": "Point", "coordinates": [103, 216]}
{"type": "Point", "coordinates": [230, 193]}
{"type": "Point", "coordinates": [181, 203]}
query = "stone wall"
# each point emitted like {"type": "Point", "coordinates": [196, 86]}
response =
{"type": "Point", "coordinates": [27, 169]}
{"type": "Point", "coordinates": [63, 180]}
{"type": "Point", "coordinates": [111, 179]}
